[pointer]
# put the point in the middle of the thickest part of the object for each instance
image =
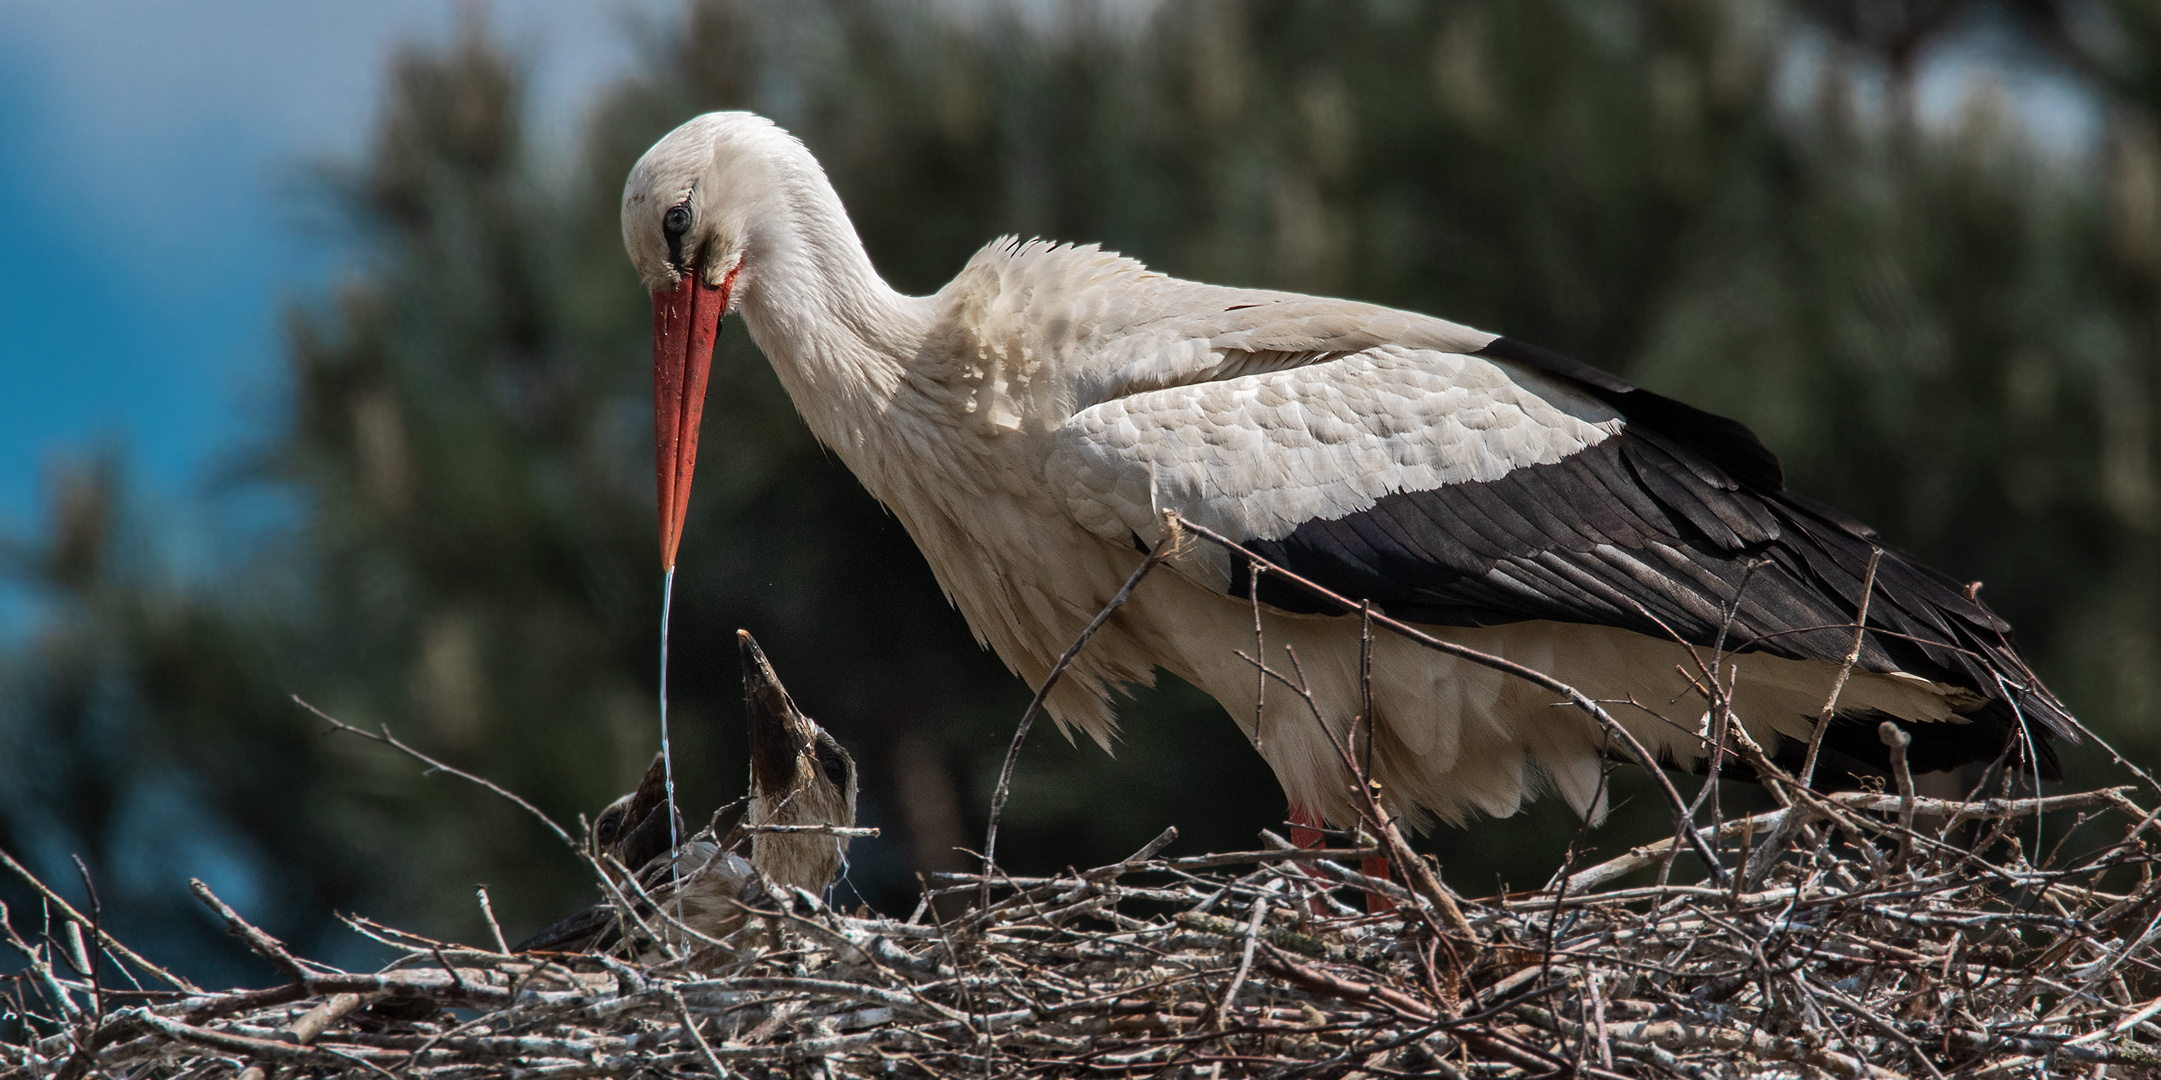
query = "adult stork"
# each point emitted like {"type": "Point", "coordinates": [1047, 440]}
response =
{"type": "Point", "coordinates": [1031, 422]}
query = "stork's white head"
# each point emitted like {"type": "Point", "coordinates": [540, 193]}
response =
{"type": "Point", "coordinates": [690, 202]}
{"type": "Point", "coordinates": [690, 211]}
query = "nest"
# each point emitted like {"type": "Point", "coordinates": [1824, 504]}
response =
{"type": "Point", "coordinates": [1867, 935]}
{"type": "Point", "coordinates": [1859, 935]}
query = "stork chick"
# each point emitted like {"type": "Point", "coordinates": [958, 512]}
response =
{"type": "Point", "coordinates": [633, 830]}
{"type": "Point", "coordinates": [800, 778]}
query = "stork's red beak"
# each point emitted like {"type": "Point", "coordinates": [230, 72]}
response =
{"type": "Point", "coordinates": [685, 322]}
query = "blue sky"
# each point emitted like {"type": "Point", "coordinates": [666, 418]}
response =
{"type": "Point", "coordinates": [154, 209]}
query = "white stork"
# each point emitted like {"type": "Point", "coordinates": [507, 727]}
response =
{"type": "Point", "coordinates": [1031, 422]}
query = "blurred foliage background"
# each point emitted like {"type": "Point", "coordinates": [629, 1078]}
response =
{"type": "Point", "coordinates": [1947, 328]}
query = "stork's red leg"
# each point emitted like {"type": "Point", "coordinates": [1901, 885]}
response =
{"type": "Point", "coordinates": [1306, 826]}
{"type": "Point", "coordinates": [1306, 833]}
{"type": "Point", "coordinates": [1377, 866]}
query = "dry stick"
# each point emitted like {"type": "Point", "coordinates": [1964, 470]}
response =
{"type": "Point", "coordinates": [1765, 854]}
{"type": "Point", "coordinates": [74, 951]}
{"type": "Point", "coordinates": [304, 1030]}
{"type": "Point", "coordinates": [52, 987]}
{"type": "Point", "coordinates": [1803, 799]}
{"type": "Point", "coordinates": [1898, 740]}
{"type": "Point", "coordinates": [2116, 756]}
{"type": "Point", "coordinates": [387, 739]}
{"type": "Point", "coordinates": [1532, 675]}
{"type": "Point", "coordinates": [318, 1019]}
{"type": "Point", "coordinates": [266, 1048]}
{"type": "Point", "coordinates": [1245, 962]}
{"type": "Point", "coordinates": [1313, 978]}
{"type": "Point", "coordinates": [1889, 1029]}
{"type": "Point", "coordinates": [822, 830]}
{"type": "Point", "coordinates": [105, 939]}
{"type": "Point", "coordinates": [42, 969]}
{"type": "Point", "coordinates": [690, 1025]}
{"type": "Point", "coordinates": [1287, 853]}
{"type": "Point", "coordinates": [1140, 857]}
{"type": "Point", "coordinates": [263, 945]}
{"type": "Point", "coordinates": [487, 910]}
{"type": "Point", "coordinates": [1845, 670]}
{"type": "Point", "coordinates": [90, 1030]}
{"type": "Point", "coordinates": [1720, 697]}
{"type": "Point", "coordinates": [1162, 551]}
{"type": "Point", "coordinates": [89, 964]}
{"type": "Point", "coordinates": [1365, 686]}
{"type": "Point", "coordinates": [1719, 717]}
{"type": "Point", "coordinates": [1858, 801]}
{"type": "Point", "coordinates": [1752, 752]}
{"type": "Point", "coordinates": [1415, 871]}
{"type": "Point", "coordinates": [1260, 649]}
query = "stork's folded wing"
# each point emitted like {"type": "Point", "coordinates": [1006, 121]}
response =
{"type": "Point", "coordinates": [1469, 490]}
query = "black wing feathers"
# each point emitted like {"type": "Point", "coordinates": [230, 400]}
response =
{"type": "Point", "coordinates": [1679, 525]}
{"type": "Point", "coordinates": [1728, 442]}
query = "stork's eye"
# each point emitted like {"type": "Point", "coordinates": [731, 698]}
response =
{"type": "Point", "coordinates": [836, 767]}
{"type": "Point", "coordinates": [676, 221]}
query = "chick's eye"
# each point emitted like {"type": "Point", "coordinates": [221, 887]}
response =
{"type": "Point", "coordinates": [836, 770]}
{"type": "Point", "coordinates": [676, 221]}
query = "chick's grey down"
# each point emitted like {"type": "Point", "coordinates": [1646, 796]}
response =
{"type": "Point", "coordinates": [1031, 422]}
{"type": "Point", "coordinates": [801, 780]}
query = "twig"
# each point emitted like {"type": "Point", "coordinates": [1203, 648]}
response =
{"type": "Point", "coordinates": [1163, 550]}
{"type": "Point", "coordinates": [1807, 775]}
{"type": "Point", "coordinates": [105, 940]}
{"type": "Point", "coordinates": [387, 739]}
{"type": "Point", "coordinates": [1636, 749]}
{"type": "Point", "coordinates": [88, 961]}
{"type": "Point", "coordinates": [1897, 740]}
{"type": "Point", "coordinates": [487, 911]}
{"type": "Point", "coordinates": [1370, 808]}
{"type": "Point", "coordinates": [263, 945]}
{"type": "Point", "coordinates": [697, 1038]}
{"type": "Point", "coordinates": [1245, 963]}
{"type": "Point", "coordinates": [822, 830]}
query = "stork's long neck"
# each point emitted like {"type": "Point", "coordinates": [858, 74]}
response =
{"type": "Point", "coordinates": [836, 333]}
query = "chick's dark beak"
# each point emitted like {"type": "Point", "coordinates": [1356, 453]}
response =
{"type": "Point", "coordinates": [778, 737]}
{"type": "Point", "coordinates": [645, 832]}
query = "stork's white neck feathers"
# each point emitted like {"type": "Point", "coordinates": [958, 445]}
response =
{"type": "Point", "coordinates": [834, 330]}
